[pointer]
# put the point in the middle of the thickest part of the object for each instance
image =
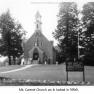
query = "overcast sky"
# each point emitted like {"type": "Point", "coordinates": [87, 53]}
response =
{"type": "Point", "coordinates": [24, 11]}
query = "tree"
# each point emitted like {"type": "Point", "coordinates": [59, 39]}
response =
{"type": "Point", "coordinates": [16, 42]}
{"type": "Point", "coordinates": [88, 26]}
{"type": "Point", "coordinates": [67, 30]}
{"type": "Point", "coordinates": [11, 36]}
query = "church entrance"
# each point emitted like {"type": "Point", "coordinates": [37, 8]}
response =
{"type": "Point", "coordinates": [35, 54]}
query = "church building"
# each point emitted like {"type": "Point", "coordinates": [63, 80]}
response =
{"type": "Point", "coordinates": [38, 47]}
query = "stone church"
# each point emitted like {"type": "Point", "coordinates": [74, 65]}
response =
{"type": "Point", "coordinates": [38, 47]}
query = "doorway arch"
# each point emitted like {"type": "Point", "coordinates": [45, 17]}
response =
{"type": "Point", "coordinates": [35, 54]}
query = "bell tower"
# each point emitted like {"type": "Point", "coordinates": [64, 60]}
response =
{"type": "Point", "coordinates": [38, 21]}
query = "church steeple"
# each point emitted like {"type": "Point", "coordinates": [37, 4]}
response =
{"type": "Point", "coordinates": [38, 21]}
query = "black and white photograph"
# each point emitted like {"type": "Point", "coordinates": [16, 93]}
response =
{"type": "Point", "coordinates": [46, 43]}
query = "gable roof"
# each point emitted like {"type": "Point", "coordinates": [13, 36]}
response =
{"type": "Point", "coordinates": [41, 38]}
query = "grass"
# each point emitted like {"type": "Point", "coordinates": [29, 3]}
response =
{"type": "Point", "coordinates": [48, 73]}
{"type": "Point", "coordinates": [39, 72]}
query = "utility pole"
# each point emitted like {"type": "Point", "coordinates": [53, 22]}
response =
{"type": "Point", "coordinates": [79, 56]}
{"type": "Point", "coordinates": [78, 47]}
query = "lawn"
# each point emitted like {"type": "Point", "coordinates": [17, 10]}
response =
{"type": "Point", "coordinates": [8, 68]}
{"type": "Point", "coordinates": [48, 72]}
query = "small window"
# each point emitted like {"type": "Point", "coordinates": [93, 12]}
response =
{"type": "Point", "coordinates": [41, 44]}
{"type": "Point", "coordinates": [37, 42]}
{"type": "Point", "coordinates": [37, 26]}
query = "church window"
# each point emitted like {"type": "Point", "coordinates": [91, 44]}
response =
{"type": "Point", "coordinates": [41, 44]}
{"type": "Point", "coordinates": [37, 42]}
{"type": "Point", "coordinates": [37, 26]}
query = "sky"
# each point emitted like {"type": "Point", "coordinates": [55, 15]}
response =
{"type": "Point", "coordinates": [24, 12]}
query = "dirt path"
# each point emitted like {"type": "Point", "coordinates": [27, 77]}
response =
{"type": "Point", "coordinates": [19, 69]}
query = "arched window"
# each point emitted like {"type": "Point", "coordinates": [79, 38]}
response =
{"type": "Point", "coordinates": [41, 43]}
{"type": "Point", "coordinates": [37, 26]}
